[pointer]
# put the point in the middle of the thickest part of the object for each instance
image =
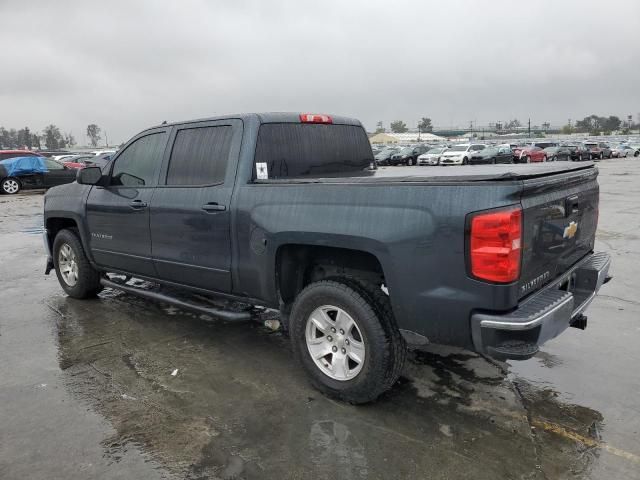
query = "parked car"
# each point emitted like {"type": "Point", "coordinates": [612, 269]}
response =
{"type": "Point", "coordinates": [558, 153]}
{"type": "Point", "coordinates": [383, 157]}
{"type": "Point", "coordinates": [78, 161]}
{"type": "Point", "coordinates": [336, 265]}
{"type": "Point", "coordinates": [529, 154]}
{"type": "Point", "coordinates": [636, 150]}
{"type": "Point", "coordinates": [594, 150]}
{"type": "Point", "coordinates": [5, 154]}
{"type": "Point", "coordinates": [408, 155]}
{"type": "Point", "coordinates": [494, 154]}
{"type": "Point", "coordinates": [44, 173]}
{"type": "Point", "coordinates": [431, 156]}
{"type": "Point", "coordinates": [578, 152]}
{"type": "Point", "coordinates": [632, 151]}
{"type": "Point", "coordinates": [620, 151]}
{"type": "Point", "coordinates": [102, 152]}
{"type": "Point", "coordinates": [460, 154]}
{"type": "Point", "coordinates": [605, 149]}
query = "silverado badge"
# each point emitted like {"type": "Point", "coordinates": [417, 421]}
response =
{"type": "Point", "coordinates": [570, 230]}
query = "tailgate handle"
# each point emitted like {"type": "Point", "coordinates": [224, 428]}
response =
{"type": "Point", "coordinates": [572, 205]}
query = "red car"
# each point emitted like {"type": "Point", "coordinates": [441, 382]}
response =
{"type": "Point", "coordinates": [78, 161]}
{"type": "Point", "coordinates": [4, 154]}
{"type": "Point", "coordinates": [529, 154]}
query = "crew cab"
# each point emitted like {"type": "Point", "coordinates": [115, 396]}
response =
{"type": "Point", "coordinates": [289, 212]}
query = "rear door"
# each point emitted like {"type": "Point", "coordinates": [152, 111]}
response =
{"type": "Point", "coordinates": [560, 215]}
{"type": "Point", "coordinates": [118, 214]}
{"type": "Point", "coordinates": [190, 217]}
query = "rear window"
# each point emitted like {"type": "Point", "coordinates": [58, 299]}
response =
{"type": "Point", "coordinates": [199, 156]}
{"type": "Point", "coordinates": [292, 150]}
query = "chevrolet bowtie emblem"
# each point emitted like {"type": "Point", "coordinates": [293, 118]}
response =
{"type": "Point", "coordinates": [570, 230]}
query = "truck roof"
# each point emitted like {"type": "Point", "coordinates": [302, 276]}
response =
{"type": "Point", "coordinates": [268, 117]}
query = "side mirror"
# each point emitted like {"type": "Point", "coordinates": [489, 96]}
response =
{"type": "Point", "coordinates": [89, 175]}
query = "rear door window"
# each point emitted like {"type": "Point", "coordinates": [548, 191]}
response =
{"type": "Point", "coordinates": [200, 155]}
{"type": "Point", "coordinates": [297, 150]}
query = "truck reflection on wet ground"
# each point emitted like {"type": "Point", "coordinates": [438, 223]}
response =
{"type": "Point", "coordinates": [238, 407]}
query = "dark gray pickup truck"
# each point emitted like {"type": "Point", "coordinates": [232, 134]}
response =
{"type": "Point", "coordinates": [289, 212]}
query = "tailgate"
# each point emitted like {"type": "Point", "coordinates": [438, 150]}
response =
{"type": "Point", "coordinates": [560, 216]}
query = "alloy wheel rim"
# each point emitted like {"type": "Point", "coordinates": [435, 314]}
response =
{"type": "Point", "coordinates": [11, 186]}
{"type": "Point", "coordinates": [68, 265]}
{"type": "Point", "coordinates": [335, 343]}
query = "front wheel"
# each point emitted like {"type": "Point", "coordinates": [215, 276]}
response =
{"type": "Point", "coordinates": [344, 335]}
{"type": "Point", "coordinates": [10, 186]}
{"type": "Point", "coordinates": [76, 275]}
{"type": "Point", "coordinates": [465, 161]}
{"type": "Point", "coordinates": [410, 162]}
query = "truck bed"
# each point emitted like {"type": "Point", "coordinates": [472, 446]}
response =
{"type": "Point", "coordinates": [464, 173]}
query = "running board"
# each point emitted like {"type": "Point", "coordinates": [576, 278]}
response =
{"type": "Point", "coordinates": [159, 297]}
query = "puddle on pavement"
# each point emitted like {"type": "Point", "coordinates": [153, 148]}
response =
{"type": "Point", "coordinates": [239, 406]}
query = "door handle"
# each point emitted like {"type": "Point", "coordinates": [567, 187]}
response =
{"type": "Point", "coordinates": [137, 204]}
{"type": "Point", "coordinates": [213, 207]}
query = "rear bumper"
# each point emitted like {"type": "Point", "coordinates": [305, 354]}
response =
{"type": "Point", "coordinates": [542, 316]}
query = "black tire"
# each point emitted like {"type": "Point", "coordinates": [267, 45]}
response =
{"type": "Point", "coordinates": [636, 153]}
{"type": "Point", "coordinates": [525, 159]}
{"type": "Point", "coordinates": [10, 186]}
{"type": "Point", "coordinates": [601, 156]}
{"type": "Point", "coordinates": [385, 346]}
{"type": "Point", "coordinates": [465, 161]}
{"type": "Point", "coordinates": [409, 162]}
{"type": "Point", "coordinates": [88, 279]}
{"type": "Point", "coordinates": [580, 157]}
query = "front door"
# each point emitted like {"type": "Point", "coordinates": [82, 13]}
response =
{"type": "Point", "coordinates": [190, 217]}
{"type": "Point", "coordinates": [118, 214]}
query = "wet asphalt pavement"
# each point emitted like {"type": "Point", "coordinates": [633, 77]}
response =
{"type": "Point", "coordinates": [87, 391]}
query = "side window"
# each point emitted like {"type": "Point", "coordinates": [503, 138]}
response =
{"type": "Point", "coordinates": [137, 164]}
{"type": "Point", "coordinates": [52, 165]}
{"type": "Point", "coordinates": [200, 156]}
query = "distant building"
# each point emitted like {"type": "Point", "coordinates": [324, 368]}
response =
{"type": "Point", "coordinates": [407, 137]}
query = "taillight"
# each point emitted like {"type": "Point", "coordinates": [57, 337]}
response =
{"type": "Point", "coordinates": [315, 118]}
{"type": "Point", "coordinates": [495, 242]}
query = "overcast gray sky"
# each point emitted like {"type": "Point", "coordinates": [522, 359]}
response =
{"type": "Point", "coordinates": [127, 65]}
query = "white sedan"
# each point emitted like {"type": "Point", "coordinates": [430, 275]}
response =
{"type": "Point", "coordinates": [431, 157]}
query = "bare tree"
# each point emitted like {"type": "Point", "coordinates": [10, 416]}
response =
{"type": "Point", "coordinates": [93, 132]}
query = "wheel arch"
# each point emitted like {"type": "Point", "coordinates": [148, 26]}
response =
{"type": "Point", "coordinates": [299, 264]}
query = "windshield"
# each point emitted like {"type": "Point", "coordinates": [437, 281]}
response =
{"type": "Point", "coordinates": [406, 150]}
{"type": "Point", "coordinates": [459, 148]}
{"type": "Point", "coordinates": [488, 152]}
{"type": "Point", "coordinates": [436, 150]}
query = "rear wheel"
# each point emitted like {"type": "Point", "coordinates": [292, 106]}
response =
{"type": "Point", "coordinates": [10, 186]}
{"type": "Point", "coordinates": [344, 335]}
{"type": "Point", "coordinates": [410, 162]}
{"type": "Point", "coordinates": [526, 159]}
{"type": "Point", "coordinates": [76, 275]}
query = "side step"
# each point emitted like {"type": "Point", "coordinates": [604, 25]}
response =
{"type": "Point", "coordinates": [159, 297]}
